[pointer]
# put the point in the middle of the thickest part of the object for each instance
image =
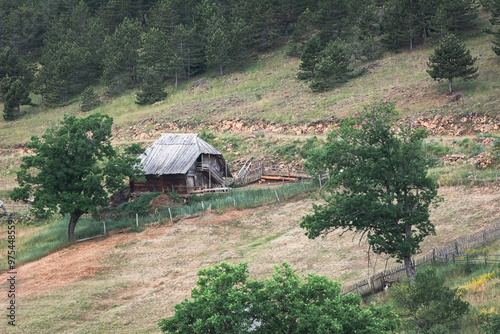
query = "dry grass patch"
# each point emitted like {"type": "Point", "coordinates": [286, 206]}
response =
{"type": "Point", "coordinates": [138, 278]}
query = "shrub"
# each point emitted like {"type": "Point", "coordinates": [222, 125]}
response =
{"type": "Point", "coordinates": [140, 205]}
{"type": "Point", "coordinates": [427, 305]}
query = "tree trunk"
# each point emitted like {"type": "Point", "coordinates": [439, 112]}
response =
{"type": "Point", "coordinates": [449, 85]}
{"type": "Point", "coordinates": [73, 219]}
{"type": "Point", "coordinates": [410, 271]}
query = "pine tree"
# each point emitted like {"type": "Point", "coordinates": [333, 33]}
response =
{"type": "Point", "coordinates": [121, 56]}
{"type": "Point", "coordinates": [153, 67]}
{"type": "Point", "coordinates": [152, 88]}
{"type": "Point", "coordinates": [333, 67]}
{"type": "Point", "coordinates": [451, 59]}
{"type": "Point", "coordinates": [332, 19]}
{"type": "Point", "coordinates": [16, 77]}
{"type": "Point", "coordinates": [17, 95]}
{"type": "Point", "coordinates": [463, 13]}
{"type": "Point", "coordinates": [90, 99]}
{"type": "Point", "coordinates": [310, 58]}
{"type": "Point", "coordinates": [304, 29]}
{"type": "Point", "coordinates": [218, 47]}
{"type": "Point", "coordinates": [399, 23]}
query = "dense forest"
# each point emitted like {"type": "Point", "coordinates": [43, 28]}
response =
{"type": "Point", "coordinates": [59, 48]}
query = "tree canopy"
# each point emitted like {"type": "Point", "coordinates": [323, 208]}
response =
{"type": "Point", "coordinates": [74, 168]}
{"type": "Point", "coordinates": [378, 184]}
{"type": "Point", "coordinates": [225, 301]}
{"type": "Point", "coordinates": [77, 43]}
{"type": "Point", "coordinates": [451, 59]}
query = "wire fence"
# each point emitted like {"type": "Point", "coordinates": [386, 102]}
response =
{"type": "Point", "coordinates": [455, 252]}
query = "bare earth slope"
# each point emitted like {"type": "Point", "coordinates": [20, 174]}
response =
{"type": "Point", "coordinates": [127, 282]}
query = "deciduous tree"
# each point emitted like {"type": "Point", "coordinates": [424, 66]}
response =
{"type": "Point", "coordinates": [378, 185]}
{"type": "Point", "coordinates": [226, 302]}
{"type": "Point", "coordinates": [74, 168]}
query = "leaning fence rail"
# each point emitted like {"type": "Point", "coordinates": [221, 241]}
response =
{"type": "Point", "coordinates": [455, 251]}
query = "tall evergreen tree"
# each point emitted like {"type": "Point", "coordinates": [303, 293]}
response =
{"type": "Point", "coordinates": [310, 58]}
{"type": "Point", "coordinates": [153, 67]}
{"type": "Point", "coordinates": [304, 29]}
{"type": "Point", "coordinates": [16, 77]}
{"type": "Point", "coordinates": [399, 23]}
{"type": "Point", "coordinates": [121, 56]}
{"type": "Point", "coordinates": [451, 59]}
{"type": "Point", "coordinates": [332, 19]}
{"type": "Point", "coordinates": [333, 67]}
{"type": "Point", "coordinates": [219, 47]}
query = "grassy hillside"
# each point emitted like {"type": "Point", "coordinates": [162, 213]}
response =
{"type": "Point", "coordinates": [268, 89]}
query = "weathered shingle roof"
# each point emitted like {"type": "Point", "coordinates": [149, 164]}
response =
{"type": "Point", "coordinates": [174, 153]}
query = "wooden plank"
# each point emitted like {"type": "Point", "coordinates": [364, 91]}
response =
{"type": "Point", "coordinates": [278, 178]}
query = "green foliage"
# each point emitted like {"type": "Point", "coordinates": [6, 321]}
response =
{"type": "Point", "coordinates": [121, 56]}
{"type": "Point", "coordinates": [16, 77]}
{"type": "Point", "coordinates": [226, 302]}
{"type": "Point", "coordinates": [152, 88]}
{"type": "Point", "coordinates": [333, 67]}
{"type": "Point", "coordinates": [491, 325]}
{"type": "Point", "coordinates": [74, 168]}
{"type": "Point", "coordinates": [310, 144]}
{"type": "Point", "coordinates": [386, 193]}
{"type": "Point", "coordinates": [90, 99]}
{"type": "Point", "coordinates": [451, 59]}
{"type": "Point", "coordinates": [428, 305]}
{"type": "Point", "coordinates": [139, 205]}
{"type": "Point", "coordinates": [310, 58]}
{"type": "Point", "coordinates": [174, 197]}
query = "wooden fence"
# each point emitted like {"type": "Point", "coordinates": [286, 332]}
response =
{"type": "Point", "coordinates": [15, 208]}
{"type": "Point", "coordinates": [453, 252]}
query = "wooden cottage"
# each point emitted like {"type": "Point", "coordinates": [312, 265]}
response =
{"type": "Point", "coordinates": [181, 162]}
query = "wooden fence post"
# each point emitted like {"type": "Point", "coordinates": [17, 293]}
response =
{"type": "Point", "coordinates": [203, 205]}
{"type": "Point", "coordinates": [474, 171]}
{"type": "Point", "coordinates": [170, 213]}
{"type": "Point", "coordinates": [453, 257]}
{"type": "Point", "coordinates": [104, 223]}
{"type": "Point", "coordinates": [456, 247]}
{"type": "Point", "coordinates": [303, 186]}
{"type": "Point", "coordinates": [433, 256]}
{"type": "Point", "coordinates": [319, 178]}
{"type": "Point", "coordinates": [137, 219]}
{"type": "Point", "coordinates": [276, 195]}
{"type": "Point", "coordinates": [496, 174]}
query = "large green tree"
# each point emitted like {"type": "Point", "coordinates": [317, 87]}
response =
{"type": "Point", "coordinates": [378, 185]}
{"type": "Point", "coordinates": [74, 168]}
{"type": "Point", "coordinates": [451, 59]}
{"type": "Point", "coordinates": [225, 301]}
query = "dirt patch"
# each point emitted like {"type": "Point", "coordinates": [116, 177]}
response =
{"type": "Point", "coordinates": [163, 200]}
{"type": "Point", "coordinates": [68, 266]}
